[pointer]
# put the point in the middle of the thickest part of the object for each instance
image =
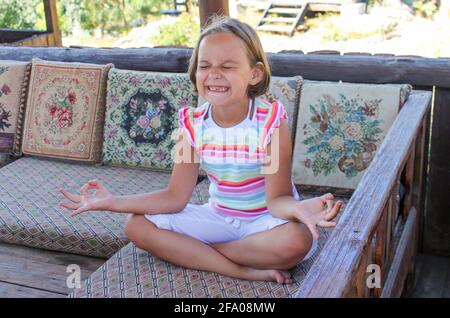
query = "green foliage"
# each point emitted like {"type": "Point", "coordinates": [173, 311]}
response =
{"type": "Point", "coordinates": [109, 16]}
{"type": "Point", "coordinates": [426, 8]}
{"type": "Point", "coordinates": [22, 14]}
{"type": "Point", "coordinates": [184, 32]}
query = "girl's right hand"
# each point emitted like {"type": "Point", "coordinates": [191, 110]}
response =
{"type": "Point", "coordinates": [100, 200]}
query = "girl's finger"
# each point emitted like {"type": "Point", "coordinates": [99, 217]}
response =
{"type": "Point", "coordinates": [334, 211]}
{"type": "Point", "coordinates": [84, 190]}
{"type": "Point", "coordinates": [70, 196]}
{"type": "Point", "coordinates": [326, 224]}
{"type": "Point", "coordinates": [327, 196]}
{"type": "Point", "coordinates": [314, 231]}
{"type": "Point", "coordinates": [69, 205]}
{"type": "Point", "coordinates": [81, 209]}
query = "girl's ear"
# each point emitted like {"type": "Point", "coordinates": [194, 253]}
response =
{"type": "Point", "coordinates": [258, 73]}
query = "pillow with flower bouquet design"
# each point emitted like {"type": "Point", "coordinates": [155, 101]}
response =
{"type": "Point", "coordinates": [65, 110]}
{"type": "Point", "coordinates": [141, 115]}
{"type": "Point", "coordinates": [13, 85]}
{"type": "Point", "coordinates": [340, 127]}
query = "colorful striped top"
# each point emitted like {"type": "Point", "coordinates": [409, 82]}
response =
{"type": "Point", "coordinates": [234, 158]}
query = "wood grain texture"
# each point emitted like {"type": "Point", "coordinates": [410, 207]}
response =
{"type": "Point", "coordinates": [335, 268]}
{"type": "Point", "coordinates": [43, 270]}
{"type": "Point", "coordinates": [403, 257]}
{"type": "Point", "coordinates": [329, 67]}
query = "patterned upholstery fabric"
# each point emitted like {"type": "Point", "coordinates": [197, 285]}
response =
{"type": "Point", "coordinates": [132, 272]}
{"type": "Point", "coordinates": [286, 90]}
{"type": "Point", "coordinates": [14, 77]}
{"type": "Point", "coordinates": [65, 110]}
{"type": "Point", "coordinates": [30, 215]}
{"type": "Point", "coordinates": [141, 114]}
{"type": "Point", "coordinates": [340, 128]}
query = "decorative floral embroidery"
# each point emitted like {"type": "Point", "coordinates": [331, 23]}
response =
{"type": "Point", "coordinates": [4, 116]}
{"type": "Point", "coordinates": [141, 115]}
{"type": "Point", "coordinates": [61, 110]}
{"type": "Point", "coordinates": [65, 110]}
{"type": "Point", "coordinates": [342, 133]}
{"type": "Point", "coordinates": [148, 118]}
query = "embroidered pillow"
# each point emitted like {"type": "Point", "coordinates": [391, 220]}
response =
{"type": "Point", "coordinates": [13, 86]}
{"type": "Point", "coordinates": [141, 114]}
{"type": "Point", "coordinates": [340, 128]}
{"type": "Point", "coordinates": [65, 110]}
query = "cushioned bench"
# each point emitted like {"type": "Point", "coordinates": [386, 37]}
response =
{"type": "Point", "coordinates": [30, 215]}
{"type": "Point", "coordinates": [95, 121]}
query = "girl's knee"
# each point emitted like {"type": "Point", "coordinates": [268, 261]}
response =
{"type": "Point", "coordinates": [296, 243]}
{"type": "Point", "coordinates": [136, 228]}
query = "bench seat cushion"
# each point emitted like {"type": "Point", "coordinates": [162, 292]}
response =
{"type": "Point", "coordinates": [30, 215]}
{"type": "Point", "coordinates": [133, 272]}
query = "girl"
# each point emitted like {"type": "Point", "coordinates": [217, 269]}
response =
{"type": "Point", "coordinates": [254, 226]}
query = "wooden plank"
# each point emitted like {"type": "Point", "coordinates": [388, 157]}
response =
{"type": "Point", "coordinates": [46, 270]}
{"type": "Point", "coordinates": [16, 291]}
{"type": "Point", "coordinates": [403, 256]}
{"type": "Point", "coordinates": [360, 69]}
{"type": "Point", "coordinates": [436, 219]}
{"type": "Point", "coordinates": [336, 265]}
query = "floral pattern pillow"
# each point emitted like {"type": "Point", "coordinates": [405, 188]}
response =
{"type": "Point", "coordinates": [13, 85]}
{"type": "Point", "coordinates": [141, 114]}
{"type": "Point", "coordinates": [340, 128]}
{"type": "Point", "coordinates": [65, 110]}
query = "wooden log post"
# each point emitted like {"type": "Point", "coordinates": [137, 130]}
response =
{"type": "Point", "coordinates": [51, 19]}
{"type": "Point", "coordinates": [209, 8]}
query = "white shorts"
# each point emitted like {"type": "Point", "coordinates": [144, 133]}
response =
{"type": "Point", "coordinates": [201, 222]}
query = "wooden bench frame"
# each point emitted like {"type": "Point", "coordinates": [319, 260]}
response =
{"type": "Point", "coordinates": [369, 231]}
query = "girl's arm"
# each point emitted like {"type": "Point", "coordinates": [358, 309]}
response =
{"type": "Point", "coordinates": [313, 212]}
{"type": "Point", "coordinates": [171, 199]}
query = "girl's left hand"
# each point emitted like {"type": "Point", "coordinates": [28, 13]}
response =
{"type": "Point", "coordinates": [319, 211]}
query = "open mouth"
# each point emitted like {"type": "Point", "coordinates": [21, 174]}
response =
{"type": "Point", "coordinates": [218, 89]}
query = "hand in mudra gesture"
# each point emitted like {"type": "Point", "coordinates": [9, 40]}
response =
{"type": "Point", "coordinates": [319, 211]}
{"type": "Point", "coordinates": [99, 200]}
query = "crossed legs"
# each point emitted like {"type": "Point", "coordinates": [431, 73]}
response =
{"type": "Point", "coordinates": [260, 256]}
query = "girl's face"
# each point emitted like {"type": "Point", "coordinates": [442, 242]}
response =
{"type": "Point", "coordinates": [224, 71]}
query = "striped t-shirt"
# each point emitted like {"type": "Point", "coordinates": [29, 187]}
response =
{"type": "Point", "coordinates": [233, 158]}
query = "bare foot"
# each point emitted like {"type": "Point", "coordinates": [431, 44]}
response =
{"type": "Point", "coordinates": [281, 277]}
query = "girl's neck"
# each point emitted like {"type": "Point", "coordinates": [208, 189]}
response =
{"type": "Point", "coordinates": [229, 116]}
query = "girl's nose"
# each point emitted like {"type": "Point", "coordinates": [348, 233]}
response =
{"type": "Point", "coordinates": [214, 74]}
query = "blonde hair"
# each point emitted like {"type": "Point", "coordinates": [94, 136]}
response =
{"type": "Point", "coordinates": [251, 41]}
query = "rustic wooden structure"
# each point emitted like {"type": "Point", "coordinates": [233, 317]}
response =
{"type": "Point", "coordinates": [50, 37]}
{"type": "Point", "coordinates": [371, 230]}
{"type": "Point", "coordinates": [285, 16]}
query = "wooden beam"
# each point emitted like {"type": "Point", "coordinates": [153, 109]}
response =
{"type": "Point", "coordinates": [51, 20]}
{"type": "Point", "coordinates": [208, 8]}
{"type": "Point", "coordinates": [418, 71]}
